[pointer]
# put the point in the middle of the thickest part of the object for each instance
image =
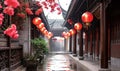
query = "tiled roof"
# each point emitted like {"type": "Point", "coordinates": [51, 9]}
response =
{"type": "Point", "coordinates": [57, 31]}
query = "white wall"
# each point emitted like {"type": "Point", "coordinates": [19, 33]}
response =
{"type": "Point", "coordinates": [57, 44]}
{"type": "Point", "coordinates": [24, 38]}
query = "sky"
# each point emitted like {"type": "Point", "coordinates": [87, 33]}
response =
{"type": "Point", "coordinates": [64, 4]}
{"type": "Point", "coordinates": [54, 16]}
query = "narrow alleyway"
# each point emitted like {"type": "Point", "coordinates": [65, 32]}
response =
{"type": "Point", "coordinates": [55, 62]}
{"type": "Point", "coordinates": [59, 35]}
{"type": "Point", "coordinates": [58, 62]}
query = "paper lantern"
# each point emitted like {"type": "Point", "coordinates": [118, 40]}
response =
{"type": "Point", "coordinates": [70, 21]}
{"type": "Point", "coordinates": [49, 35]}
{"type": "Point", "coordinates": [68, 34]}
{"type": "Point", "coordinates": [78, 26]}
{"type": "Point", "coordinates": [41, 25]}
{"type": "Point", "coordinates": [87, 17]}
{"type": "Point", "coordinates": [72, 31]}
{"type": "Point", "coordinates": [45, 32]}
{"type": "Point", "coordinates": [36, 21]}
{"type": "Point", "coordinates": [63, 33]}
{"type": "Point", "coordinates": [42, 29]}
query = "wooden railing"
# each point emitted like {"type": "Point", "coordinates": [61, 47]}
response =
{"type": "Point", "coordinates": [10, 56]}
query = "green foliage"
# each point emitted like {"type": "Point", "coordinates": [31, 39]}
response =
{"type": "Point", "coordinates": [39, 46]}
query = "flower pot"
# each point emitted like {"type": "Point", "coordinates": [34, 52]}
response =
{"type": "Point", "coordinates": [31, 65]}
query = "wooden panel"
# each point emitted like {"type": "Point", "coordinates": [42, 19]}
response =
{"type": "Point", "coordinates": [115, 51]}
{"type": "Point", "coordinates": [3, 59]}
{"type": "Point", "coordinates": [2, 35]}
{"type": "Point", "coordinates": [14, 44]}
{"type": "Point", "coordinates": [4, 48]}
{"type": "Point", "coordinates": [3, 44]}
{"type": "Point", "coordinates": [3, 39]}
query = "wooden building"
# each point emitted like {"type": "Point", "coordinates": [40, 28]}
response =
{"type": "Point", "coordinates": [102, 36]}
{"type": "Point", "coordinates": [12, 51]}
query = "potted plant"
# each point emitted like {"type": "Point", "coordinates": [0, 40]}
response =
{"type": "Point", "coordinates": [39, 50]}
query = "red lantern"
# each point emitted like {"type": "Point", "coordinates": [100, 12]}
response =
{"type": "Point", "coordinates": [63, 33]}
{"type": "Point", "coordinates": [70, 21]}
{"type": "Point", "coordinates": [36, 21]}
{"type": "Point", "coordinates": [72, 31]}
{"type": "Point", "coordinates": [49, 35]}
{"type": "Point", "coordinates": [78, 26]}
{"type": "Point", "coordinates": [68, 34]}
{"type": "Point", "coordinates": [42, 29]}
{"type": "Point", "coordinates": [41, 25]}
{"type": "Point", "coordinates": [45, 32]}
{"type": "Point", "coordinates": [87, 17]}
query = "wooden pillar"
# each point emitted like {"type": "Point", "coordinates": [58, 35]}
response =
{"type": "Point", "coordinates": [103, 41]}
{"type": "Point", "coordinates": [118, 32]}
{"type": "Point", "coordinates": [70, 47]}
{"type": "Point", "coordinates": [97, 43]}
{"type": "Point", "coordinates": [109, 42]}
{"type": "Point", "coordinates": [86, 42]}
{"type": "Point", "coordinates": [91, 43]}
{"type": "Point", "coordinates": [108, 22]}
{"type": "Point", "coordinates": [74, 45]}
{"type": "Point", "coordinates": [81, 45]}
{"type": "Point", "coordinates": [65, 43]}
{"type": "Point", "coordinates": [9, 45]}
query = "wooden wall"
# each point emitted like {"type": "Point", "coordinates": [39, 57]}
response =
{"type": "Point", "coordinates": [10, 51]}
{"type": "Point", "coordinates": [114, 19]}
